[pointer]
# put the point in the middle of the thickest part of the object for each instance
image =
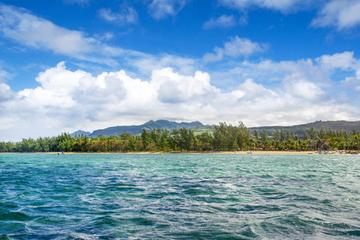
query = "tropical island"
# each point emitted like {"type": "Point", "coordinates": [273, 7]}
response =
{"type": "Point", "coordinates": [168, 136]}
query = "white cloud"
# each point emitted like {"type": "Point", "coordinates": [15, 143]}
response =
{"type": "Point", "coordinates": [65, 99]}
{"type": "Point", "coordinates": [5, 91]}
{"type": "Point", "coordinates": [235, 47]}
{"type": "Point", "coordinates": [35, 32]}
{"type": "Point", "coordinates": [176, 88]}
{"type": "Point", "coordinates": [148, 63]}
{"type": "Point", "coordinates": [127, 15]}
{"type": "Point", "coordinates": [163, 8]}
{"type": "Point", "coordinates": [29, 30]}
{"type": "Point", "coordinates": [354, 81]}
{"type": "Point", "coordinates": [342, 14]}
{"type": "Point", "coordinates": [106, 36]}
{"type": "Point", "coordinates": [223, 21]}
{"type": "Point", "coordinates": [269, 93]}
{"type": "Point", "coordinates": [272, 72]}
{"type": "Point", "coordinates": [344, 60]}
{"type": "Point", "coordinates": [281, 5]}
{"type": "Point", "coordinates": [304, 89]}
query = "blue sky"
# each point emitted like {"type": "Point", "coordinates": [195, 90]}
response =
{"type": "Point", "coordinates": [69, 64]}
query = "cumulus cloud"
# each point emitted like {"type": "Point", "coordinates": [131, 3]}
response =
{"type": "Point", "coordinates": [223, 21]}
{"type": "Point", "coordinates": [340, 14]}
{"type": "Point", "coordinates": [163, 8]}
{"type": "Point", "coordinates": [126, 15]}
{"type": "Point", "coordinates": [281, 5]}
{"type": "Point", "coordinates": [344, 60]}
{"type": "Point", "coordinates": [235, 47]}
{"type": "Point", "coordinates": [354, 81]}
{"type": "Point", "coordinates": [5, 93]}
{"type": "Point", "coordinates": [67, 100]}
{"type": "Point", "coordinates": [176, 88]}
{"type": "Point", "coordinates": [304, 89]}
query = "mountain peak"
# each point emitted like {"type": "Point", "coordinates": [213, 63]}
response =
{"type": "Point", "coordinates": [136, 129]}
{"type": "Point", "coordinates": [80, 133]}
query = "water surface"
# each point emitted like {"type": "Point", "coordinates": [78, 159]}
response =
{"type": "Point", "coordinates": [179, 196]}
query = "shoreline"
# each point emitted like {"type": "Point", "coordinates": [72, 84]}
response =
{"type": "Point", "coordinates": [217, 153]}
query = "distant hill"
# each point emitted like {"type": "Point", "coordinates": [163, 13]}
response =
{"type": "Point", "coordinates": [137, 129]}
{"type": "Point", "coordinates": [80, 133]}
{"type": "Point", "coordinates": [300, 130]}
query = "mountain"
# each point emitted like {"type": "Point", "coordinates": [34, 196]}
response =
{"type": "Point", "coordinates": [137, 129]}
{"type": "Point", "coordinates": [80, 133]}
{"type": "Point", "coordinates": [300, 130]}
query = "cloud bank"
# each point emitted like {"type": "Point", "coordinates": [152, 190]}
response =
{"type": "Point", "coordinates": [71, 99]}
{"type": "Point", "coordinates": [257, 92]}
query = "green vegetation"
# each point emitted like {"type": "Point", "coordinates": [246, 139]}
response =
{"type": "Point", "coordinates": [224, 137]}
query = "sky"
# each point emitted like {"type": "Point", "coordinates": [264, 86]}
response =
{"type": "Point", "coordinates": [88, 64]}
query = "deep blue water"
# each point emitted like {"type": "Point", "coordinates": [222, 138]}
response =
{"type": "Point", "coordinates": [179, 196]}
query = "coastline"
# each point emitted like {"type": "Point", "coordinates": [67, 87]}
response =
{"type": "Point", "coordinates": [190, 152]}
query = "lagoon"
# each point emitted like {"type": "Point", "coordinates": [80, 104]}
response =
{"type": "Point", "coordinates": [179, 196]}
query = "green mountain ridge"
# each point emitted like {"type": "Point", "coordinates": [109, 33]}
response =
{"type": "Point", "coordinates": [137, 129]}
{"type": "Point", "coordinates": [299, 130]}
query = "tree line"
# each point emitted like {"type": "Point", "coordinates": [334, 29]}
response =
{"type": "Point", "coordinates": [223, 137]}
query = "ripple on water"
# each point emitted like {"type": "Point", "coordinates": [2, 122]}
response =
{"type": "Point", "coordinates": [14, 216]}
{"type": "Point", "coordinates": [179, 197]}
{"type": "Point", "coordinates": [213, 232]}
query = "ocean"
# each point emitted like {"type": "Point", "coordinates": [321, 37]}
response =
{"type": "Point", "coordinates": [179, 196]}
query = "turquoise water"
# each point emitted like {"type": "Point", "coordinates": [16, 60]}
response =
{"type": "Point", "coordinates": [179, 196]}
